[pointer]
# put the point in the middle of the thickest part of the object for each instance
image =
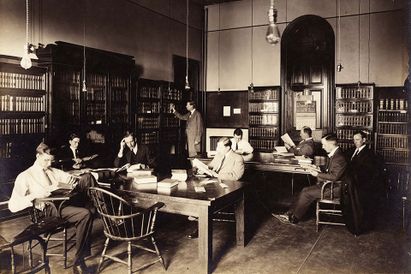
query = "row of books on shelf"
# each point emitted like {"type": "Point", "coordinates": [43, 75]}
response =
{"type": "Point", "coordinates": [346, 146]}
{"type": "Point", "coordinates": [260, 144]}
{"type": "Point", "coordinates": [119, 95]}
{"type": "Point", "coordinates": [354, 120]}
{"type": "Point", "coordinates": [268, 94]}
{"type": "Point", "coordinates": [355, 93]}
{"type": "Point", "coordinates": [96, 80]}
{"type": "Point", "coordinates": [387, 128]}
{"type": "Point", "coordinates": [396, 156]}
{"type": "Point", "coordinates": [95, 94]}
{"type": "Point", "coordinates": [96, 110]}
{"type": "Point", "coordinates": [397, 142]}
{"type": "Point", "coordinates": [393, 104]}
{"type": "Point", "coordinates": [271, 132]}
{"type": "Point", "coordinates": [22, 81]}
{"type": "Point", "coordinates": [347, 134]}
{"type": "Point", "coordinates": [359, 106]}
{"type": "Point", "coordinates": [68, 77]}
{"type": "Point", "coordinates": [73, 91]}
{"type": "Point", "coordinates": [22, 103]}
{"type": "Point", "coordinates": [169, 136]}
{"type": "Point", "coordinates": [148, 107]}
{"type": "Point", "coordinates": [118, 82]}
{"type": "Point", "coordinates": [147, 122]}
{"type": "Point", "coordinates": [169, 122]}
{"type": "Point", "coordinates": [149, 92]}
{"type": "Point", "coordinates": [172, 94]}
{"type": "Point", "coordinates": [264, 119]}
{"type": "Point", "coordinates": [392, 117]}
{"type": "Point", "coordinates": [263, 107]}
{"type": "Point", "coordinates": [22, 126]}
{"type": "Point", "coordinates": [149, 137]}
{"type": "Point", "coordinates": [5, 150]}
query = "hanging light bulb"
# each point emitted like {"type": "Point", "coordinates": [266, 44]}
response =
{"type": "Point", "coordinates": [339, 67]}
{"type": "Point", "coordinates": [187, 84]}
{"type": "Point", "coordinates": [29, 49]}
{"type": "Point", "coordinates": [273, 33]}
{"type": "Point", "coordinates": [251, 87]}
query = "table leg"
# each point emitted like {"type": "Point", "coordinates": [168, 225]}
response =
{"type": "Point", "coordinates": [239, 221]}
{"type": "Point", "coordinates": [292, 184]}
{"type": "Point", "coordinates": [205, 239]}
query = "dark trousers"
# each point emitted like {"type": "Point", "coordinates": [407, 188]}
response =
{"type": "Point", "coordinates": [307, 196]}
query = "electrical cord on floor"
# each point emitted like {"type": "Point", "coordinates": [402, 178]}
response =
{"type": "Point", "coordinates": [311, 250]}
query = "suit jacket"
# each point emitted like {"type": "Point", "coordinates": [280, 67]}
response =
{"type": "Point", "coordinates": [143, 156]}
{"type": "Point", "coordinates": [232, 168]}
{"type": "Point", "coordinates": [363, 167]}
{"type": "Point", "coordinates": [194, 125]}
{"type": "Point", "coordinates": [305, 147]}
{"type": "Point", "coordinates": [65, 157]}
{"type": "Point", "coordinates": [335, 168]}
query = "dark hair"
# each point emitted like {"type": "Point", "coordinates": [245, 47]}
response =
{"type": "Point", "coordinates": [132, 134]}
{"type": "Point", "coordinates": [362, 133]}
{"type": "Point", "coordinates": [42, 148]}
{"type": "Point", "coordinates": [238, 132]}
{"type": "Point", "coordinates": [331, 137]}
{"type": "Point", "coordinates": [226, 141]}
{"type": "Point", "coordinates": [308, 131]}
{"type": "Point", "coordinates": [72, 136]}
{"type": "Point", "coordinates": [192, 103]}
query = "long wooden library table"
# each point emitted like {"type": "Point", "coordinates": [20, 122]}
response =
{"type": "Point", "coordinates": [184, 200]}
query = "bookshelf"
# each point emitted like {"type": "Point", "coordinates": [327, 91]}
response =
{"type": "Point", "coordinates": [264, 117]}
{"type": "Point", "coordinates": [154, 122]}
{"type": "Point", "coordinates": [392, 132]}
{"type": "Point", "coordinates": [103, 106]}
{"type": "Point", "coordinates": [354, 110]}
{"type": "Point", "coordinates": [23, 115]}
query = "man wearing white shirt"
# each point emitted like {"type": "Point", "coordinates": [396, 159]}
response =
{"type": "Point", "coordinates": [239, 145]}
{"type": "Point", "coordinates": [38, 181]}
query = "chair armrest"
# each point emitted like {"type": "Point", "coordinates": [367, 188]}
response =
{"type": "Point", "coordinates": [330, 184]}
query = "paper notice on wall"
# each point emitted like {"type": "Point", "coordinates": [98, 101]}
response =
{"type": "Point", "coordinates": [226, 111]}
{"type": "Point", "coordinates": [236, 110]}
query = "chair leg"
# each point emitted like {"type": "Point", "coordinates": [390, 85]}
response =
{"type": "Point", "coordinates": [317, 220]}
{"type": "Point", "coordinates": [158, 252]}
{"type": "Point", "coordinates": [103, 254]}
{"type": "Point", "coordinates": [30, 255]}
{"type": "Point", "coordinates": [129, 261]}
{"type": "Point", "coordinates": [13, 266]}
{"type": "Point", "coordinates": [65, 247]}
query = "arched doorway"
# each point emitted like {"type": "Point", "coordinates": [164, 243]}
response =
{"type": "Point", "coordinates": [307, 75]}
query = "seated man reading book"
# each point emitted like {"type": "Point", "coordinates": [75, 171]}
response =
{"type": "Point", "coordinates": [39, 181]}
{"type": "Point", "coordinates": [305, 147]}
{"type": "Point", "coordinates": [226, 165]}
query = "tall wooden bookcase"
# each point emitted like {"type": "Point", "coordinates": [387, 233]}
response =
{"type": "Point", "coordinates": [23, 116]}
{"type": "Point", "coordinates": [264, 117]}
{"type": "Point", "coordinates": [105, 105]}
{"type": "Point", "coordinates": [354, 110]}
{"type": "Point", "coordinates": [154, 122]}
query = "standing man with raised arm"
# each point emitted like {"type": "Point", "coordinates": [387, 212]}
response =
{"type": "Point", "coordinates": [194, 127]}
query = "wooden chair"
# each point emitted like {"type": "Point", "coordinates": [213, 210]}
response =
{"type": "Point", "coordinates": [124, 222]}
{"type": "Point", "coordinates": [329, 205]}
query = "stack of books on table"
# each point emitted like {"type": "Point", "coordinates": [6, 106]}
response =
{"type": "Point", "coordinates": [167, 183]}
{"type": "Point", "coordinates": [140, 172]}
{"type": "Point", "coordinates": [144, 179]}
{"type": "Point", "coordinates": [179, 174]}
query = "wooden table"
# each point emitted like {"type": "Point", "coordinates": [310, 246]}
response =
{"type": "Point", "coordinates": [183, 199]}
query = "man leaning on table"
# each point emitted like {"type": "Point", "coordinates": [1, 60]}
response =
{"type": "Point", "coordinates": [226, 165]}
{"type": "Point", "coordinates": [38, 181]}
{"type": "Point", "coordinates": [335, 169]}
{"type": "Point", "coordinates": [306, 146]}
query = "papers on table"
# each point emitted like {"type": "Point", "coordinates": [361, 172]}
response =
{"type": "Point", "coordinates": [167, 183]}
{"type": "Point", "coordinates": [303, 160]}
{"type": "Point", "coordinates": [287, 139]}
{"type": "Point", "coordinates": [281, 149]}
{"type": "Point", "coordinates": [179, 174]}
{"type": "Point", "coordinates": [202, 167]}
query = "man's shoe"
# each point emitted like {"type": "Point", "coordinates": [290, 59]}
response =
{"type": "Point", "coordinates": [282, 218]}
{"type": "Point", "coordinates": [193, 235]}
{"type": "Point", "coordinates": [293, 219]}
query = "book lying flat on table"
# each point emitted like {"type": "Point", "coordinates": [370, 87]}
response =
{"type": "Point", "coordinates": [145, 179]}
{"type": "Point", "coordinates": [167, 183]}
{"type": "Point", "coordinates": [140, 172]}
{"type": "Point", "coordinates": [179, 174]}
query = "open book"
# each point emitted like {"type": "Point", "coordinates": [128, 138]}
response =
{"type": "Point", "coordinates": [287, 139]}
{"type": "Point", "coordinates": [202, 167]}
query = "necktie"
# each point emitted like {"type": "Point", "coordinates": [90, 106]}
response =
{"type": "Point", "coordinates": [49, 180]}
{"type": "Point", "coordinates": [355, 154]}
{"type": "Point", "coordinates": [220, 165]}
{"type": "Point", "coordinates": [236, 146]}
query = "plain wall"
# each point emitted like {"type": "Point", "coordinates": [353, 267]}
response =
{"type": "Point", "coordinates": [150, 30]}
{"type": "Point", "coordinates": [373, 41]}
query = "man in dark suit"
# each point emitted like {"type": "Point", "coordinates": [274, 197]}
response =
{"type": "Point", "coordinates": [334, 171]}
{"type": "Point", "coordinates": [70, 157]}
{"type": "Point", "coordinates": [363, 169]}
{"type": "Point", "coordinates": [306, 146]}
{"type": "Point", "coordinates": [131, 152]}
{"type": "Point", "coordinates": [194, 128]}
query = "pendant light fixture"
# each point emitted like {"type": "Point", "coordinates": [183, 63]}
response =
{"type": "Point", "coordinates": [187, 84]}
{"type": "Point", "coordinates": [273, 35]}
{"type": "Point", "coordinates": [251, 86]}
{"type": "Point", "coordinates": [218, 43]}
{"type": "Point", "coordinates": [29, 49]}
{"type": "Point", "coordinates": [359, 46]}
{"type": "Point", "coordinates": [339, 66]}
{"type": "Point", "coordinates": [84, 86]}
